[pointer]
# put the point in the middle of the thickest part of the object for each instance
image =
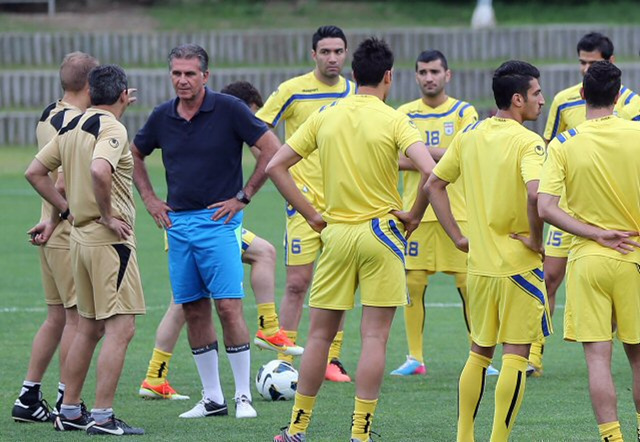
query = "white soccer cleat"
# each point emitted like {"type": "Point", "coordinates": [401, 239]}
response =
{"type": "Point", "coordinates": [206, 408]}
{"type": "Point", "coordinates": [244, 408]}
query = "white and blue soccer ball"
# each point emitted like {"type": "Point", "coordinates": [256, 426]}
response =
{"type": "Point", "coordinates": [277, 381]}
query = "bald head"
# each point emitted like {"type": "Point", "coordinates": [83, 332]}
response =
{"type": "Point", "coordinates": [74, 71]}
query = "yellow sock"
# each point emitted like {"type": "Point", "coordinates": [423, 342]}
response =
{"type": "Point", "coordinates": [470, 389]}
{"type": "Point", "coordinates": [158, 367]}
{"type": "Point", "coordinates": [301, 413]}
{"type": "Point", "coordinates": [293, 335]}
{"type": "Point", "coordinates": [535, 354]}
{"type": "Point", "coordinates": [610, 432]}
{"type": "Point", "coordinates": [461, 285]}
{"type": "Point", "coordinates": [336, 346]}
{"type": "Point", "coordinates": [268, 319]}
{"type": "Point", "coordinates": [362, 417]}
{"type": "Point", "coordinates": [414, 313]}
{"type": "Point", "coordinates": [509, 394]}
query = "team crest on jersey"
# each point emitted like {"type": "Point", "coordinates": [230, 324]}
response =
{"type": "Point", "coordinates": [412, 124]}
{"type": "Point", "coordinates": [449, 128]}
{"type": "Point", "coordinates": [540, 150]}
{"type": "Point", "coordinates": [113, 142]}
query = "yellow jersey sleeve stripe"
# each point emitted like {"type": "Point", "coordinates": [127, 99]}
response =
{"type": "Point", "coordinates": [320, 96]}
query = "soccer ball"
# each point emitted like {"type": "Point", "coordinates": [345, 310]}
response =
{"type": "Point", "coordinates": [277, 381]}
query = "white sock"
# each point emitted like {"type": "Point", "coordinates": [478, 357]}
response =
{"type": "Point", "coordinates": [240, 359]}
{"type": "Point", "coordinates": [207, 362]}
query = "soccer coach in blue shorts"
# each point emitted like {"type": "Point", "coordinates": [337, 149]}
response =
{"type": "Point", "coordinates": [201, 134]}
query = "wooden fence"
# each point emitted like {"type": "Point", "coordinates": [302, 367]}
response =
{"type": "Point", "coordinates": [34, 89]}
{"type": "Point", "coordinates": [292, 47]}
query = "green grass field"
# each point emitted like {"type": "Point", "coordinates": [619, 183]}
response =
{"type": "Point", "coordinates": [556, 407]}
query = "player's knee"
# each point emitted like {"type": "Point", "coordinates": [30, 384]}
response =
{"type": "Point", "coordinates": [230, 311]}
{"type": "Point", "coordinates": [297, 286]}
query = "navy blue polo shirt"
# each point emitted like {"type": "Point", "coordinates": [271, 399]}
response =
{"type": "Point", "coordinates": [202, 157]}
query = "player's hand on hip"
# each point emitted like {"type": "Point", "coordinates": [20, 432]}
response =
{"type": "Point", "coordinates": [41, 232]}
{"type": "Point", "coordinates": [532, 244]}
{"type": "Point", "coordinates": [117, 226]}
{"type": "Point", "coordinates": [317, 223]}
{"type": "Point", "coordinates": [618, 240]}
{"type": "Point", "coordinates": [410, 223]}
{"type": "Point", "coordinates": [227, 208]}
{"type": "Point", "coordinates": [462, 244]}
{"type": "Point", "coordinates": [159, 211]}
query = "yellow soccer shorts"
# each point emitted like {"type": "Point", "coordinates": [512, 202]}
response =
{"type": "Point", "coordinates": [558, 243]}
{"type": "Point", "coordinates": [602, 291]}
{"type": "Point", "coordinates": [57, 278]}
{"type": "Point", "coordinates": [301, 242]}
{"type": "Point", "coordinates": [247, 238]}
{"type": "Point", "coordinates": [107, 281]}
{"type": "Point", "coordinates": [430, 248]}
{"type": "Point", "coordinates": [511, 309]}
{"type": "Point", "coordinates": [368, 255]}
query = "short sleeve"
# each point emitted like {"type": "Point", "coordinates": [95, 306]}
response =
{"type": "Point", "coordinates": [469, 116]}
{"type": "Point", "coordinates": [49, 155]}
{"type": "Point", "coordinates": [146, 139]}
{"type": "Point", "coordinates": [532, 157]}
{"type": "Point", "coordinates": [110, 144]}
{"type": "Point", "coordinates": [631, 109]}
{"type": "Point", "coordinates": [276, 107]}
{"type": "Point", "coordinates": [245, 124]}
{"type": "Point", "coordinates": [554, 124]}
{"type": "Point", "coordinates": [554, 171]}
{"type": "Point", "coordinates": [304, 140]}
{"type": "Point", "coordinates": [406, 133]}
{"type": "Point", "coordinates": [448, 168]}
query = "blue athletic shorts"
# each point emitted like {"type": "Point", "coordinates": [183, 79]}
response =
{"type": "Point", "coordinates": [204, 256]}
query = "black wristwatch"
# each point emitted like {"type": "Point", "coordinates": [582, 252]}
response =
{"type": "Point", "coordinates": [242, 197]}
{"type": "Point", "coordinates": [65, 214]}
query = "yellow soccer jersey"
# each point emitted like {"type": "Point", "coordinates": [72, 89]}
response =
{"type": "Point", "coordinates": [53, 118]}
{"type": "Point", "coordinates": [568, 109]}
{"type": "Point", "coordinates": [439, 125]}
{"type": "Point", "coordinates": [495, 158]}
{"type": "Point", "coordinates": [293, 102]}
{"type": "Point", "coordinates": [94, 134]}
{"type": "Point", "coordinates": [358, 139]}
{"type": "Point", "coordinates": [598, 164]}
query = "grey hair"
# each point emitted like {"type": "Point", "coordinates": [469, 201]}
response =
{"type": "Point", "coordinates": [190, 50]}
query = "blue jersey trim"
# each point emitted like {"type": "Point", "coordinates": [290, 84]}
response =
{"type": "Point", "coordinates": [397, 233]}
{"type": "Point", "coordinates": [562, 107]}
{"type": "Point", "coordinates": [631, 95]}
{"type": "Point", "coordinates": [536, 293]}
{"type": "Point", "coordinates": [636, 118]}
{"type": "Point", "coordinates": [321, 96]}
{"type": "Point", "coordinates": [572, 132]}
{"type": "Point", "coordinates": [623, 90]}
{"type": "Point", "coordinates": [539, 273]}
{"type": "Point", "coordinates": [444, 114]}
{"type": "Point", "coordinates": [290, 212]}
{"type": "Point", "coordinates": [465, 107]}
{"type": "Point", "coordinates": [375, 226]}
{"type": "Point", "coordinates": [562, 138]}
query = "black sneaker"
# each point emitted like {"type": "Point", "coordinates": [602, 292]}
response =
{"type": "Point", "coordinates": [63, 423]}
{"type": "Point", "coordinates": [39, 411]}
{"type": "Point", "coordinates": [113, 427]}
